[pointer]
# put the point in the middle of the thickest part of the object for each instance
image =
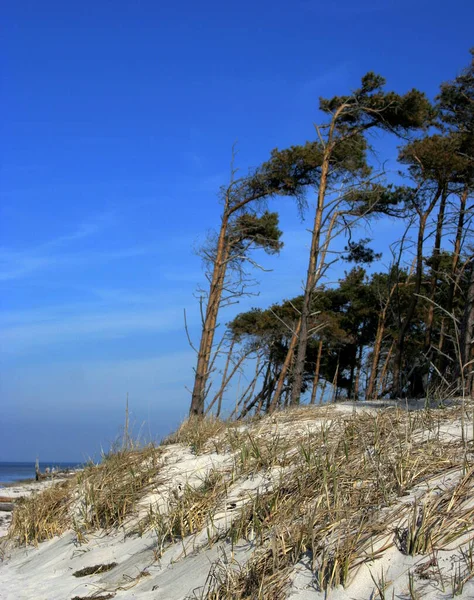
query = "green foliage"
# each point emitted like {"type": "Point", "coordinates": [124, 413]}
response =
{"type": "Point", "coordinates": [370, 106]}
{"type": "Point", "coordinates": [360, 253]}
{"type": "Point", "coordinates": [456, 101]}
{"type": "Point", "coordinates": [262, 231]}
{"type": "Point", "coordinates": [438, 159]}
{"type": "Point", "coordinates": [287, 173]}
{"type": "Point", "coordinates": [291, 171]}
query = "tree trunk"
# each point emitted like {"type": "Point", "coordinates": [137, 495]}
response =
{"type": "Point", "coordinates": [454, 268]}
{"type": "Point", "coordinates": [269, 393]}
{"type": "Point", "coordinates": [263, 394]}
{"type": "Point", "coordinates": [316, 373]}
{"type": "Point", "coordinates": [434, 270]}
{"type": "Point", "coordinates": [248, 393]}
{"type": "Point", "coordinates": [334, 384]}
{"type": "Point", "coordinates": [358, 370]}
{"type": "Point", "coordinates": [397, 371]}
{"type": "Point", "coordinates": [285, 367]}
{"type": "Point", "coordinates": [372, 385]}
{"type": "Point", "coordinates": [466, 335]}
{"type": "Point", "coordinates": [210, 321]}
{"type": "Point", "coordinates": [310, 281]}
{"type": "Point", "coordinates": [383, 374]}
{"type": "Point", "coordinates": [224, 383]}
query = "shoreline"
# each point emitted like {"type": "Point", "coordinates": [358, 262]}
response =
{"type": "Point", "coordinates": [7, 484]}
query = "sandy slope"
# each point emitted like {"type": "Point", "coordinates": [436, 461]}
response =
{"type": "Point", "coordinates": [148, 569]}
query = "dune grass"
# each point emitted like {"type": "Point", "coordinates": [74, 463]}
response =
{"type": "Point", "coordinates": [42, 516]}
{"type": "Point", "coordinates": [338, 500]}
{"type": "Point", "coordinates": [109, 492]}
{"type": "Point", "coordinates": [99, 497]}
{"type": "Point", "coordinates": [343, 488]}
{"type": "Point", "coordinates": [196, 433]}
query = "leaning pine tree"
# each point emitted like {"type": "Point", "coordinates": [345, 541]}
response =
{"type": "Point", "coordinates": [340, 140]}
{"type": "Point", "coordinates": [243, 227]}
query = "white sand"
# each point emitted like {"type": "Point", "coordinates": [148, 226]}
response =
{"type": "Point", "coordinates": [46, 572]}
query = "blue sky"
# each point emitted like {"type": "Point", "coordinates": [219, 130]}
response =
{"type": "Point", "coordinates": [117, 124]}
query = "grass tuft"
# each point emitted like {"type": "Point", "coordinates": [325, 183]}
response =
{"type": "Point", "coordinates": [109, 492]}
{"type": "Point", "coordinates": [42, 516]}
{"type": "Point", "coordinates": [99, 497]}
{"type": "Point", "coordinates": [196, 432]}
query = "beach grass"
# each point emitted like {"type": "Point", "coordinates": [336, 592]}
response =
{"type": "Point", "coordinates": [342, 487]}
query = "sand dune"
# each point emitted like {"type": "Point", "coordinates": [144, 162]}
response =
{"type": "Point", "coordinates": [346, 502]}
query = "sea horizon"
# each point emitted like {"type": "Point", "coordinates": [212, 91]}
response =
{"type": "Point", "coordinates": [17, 471]}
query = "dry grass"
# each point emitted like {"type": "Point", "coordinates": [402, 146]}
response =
{"type": "Point", "coordinates": [265, 576]}
{"type": "Point", "coordinates": [189, 512]}
{"type": "Point", "coordinates": [196, 433]}
{"type": "Point", "coordinates": [99, 497]}
{"type": "Point", "coordinates": [338, 496]}
{"type": "Point", "coordinates": [94, 570]}
{"type": "Point", "coordinates": [42, 516]}
{"type": "Point", "coordinates": [439, 520]}
{"type": "Point", "coordinates": [109, 492]}
{"type": "Point", "coordinates": [339, 489]}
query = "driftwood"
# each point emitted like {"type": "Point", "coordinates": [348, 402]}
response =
{"type": "Point", "coordinates": [6, 506]}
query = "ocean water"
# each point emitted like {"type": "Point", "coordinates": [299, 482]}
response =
{"type": "Point", "coordinates": [18, 471]}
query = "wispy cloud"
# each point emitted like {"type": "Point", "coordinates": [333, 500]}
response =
{"type": "Point", "coordinates": [60, 252]}
{"type": "Point", "coordinates": [39, 329]}
{"type": "Point", "coordinates": [84, 230]}
{"type": "Point", "coordinates": [16, 265]}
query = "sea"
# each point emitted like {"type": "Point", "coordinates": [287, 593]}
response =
{"type": "Point", "coordinates": [10, 472]}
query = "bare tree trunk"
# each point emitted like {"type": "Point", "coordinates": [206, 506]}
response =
{"type": "Point", "coordinates": [310, 281]}
{"type": "Point", "coordinates": [400, 347]}
{"type": "Point", "coordinates": [266, 390]}
{"type": "Point", "coordinates": [434, 270]}
{"type": "Point", "coordinates": [466, 335]}
{"type": "Point", "coordinates": [316, 373]}
{"type": "Point", "coordinates": [454, 269]}
{"type": "Point", "coordinates": [247, 394]}
{"type": "Point", "coordinates": [210, 321]}
{"type": "Point", "coordinates": [224, 383]}
{"type": "Point", "coordinates": [383, 374]}
{"type": "Point", "coordinates": [264, 393]}
{"type": "Point", "coordinates": [372, 385]}
{"type": "Point", "coordinates": [334, 383]}
{"type": "Point", "coordinates": [285, 368]}
{"type": "Point", "coordinates": [358, 370]}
